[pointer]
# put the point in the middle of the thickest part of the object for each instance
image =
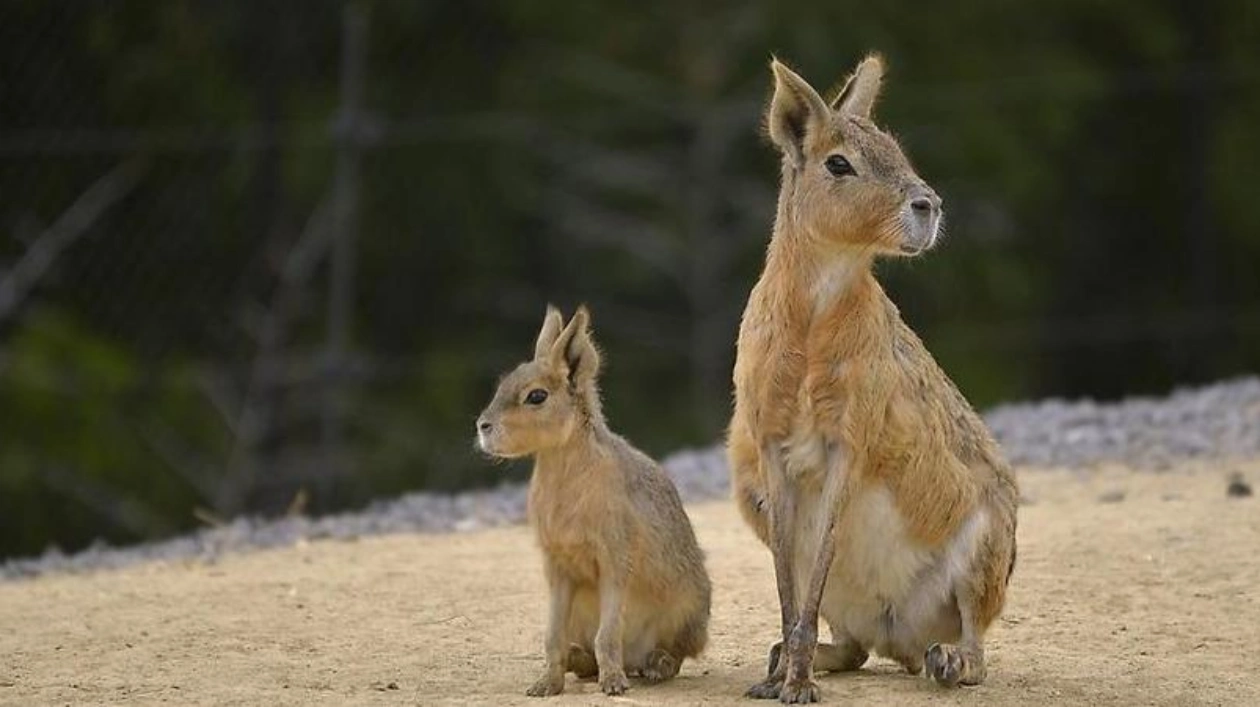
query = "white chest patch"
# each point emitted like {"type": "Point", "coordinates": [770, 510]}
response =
{"type": "Point", "coordinates": [833, 279]}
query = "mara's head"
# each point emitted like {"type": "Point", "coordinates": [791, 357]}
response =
{"type": "Point", "coordinates": [846, 183]}
{"type": "Point", "coordinates": [542, 402]}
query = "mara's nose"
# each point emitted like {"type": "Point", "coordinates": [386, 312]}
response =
{"type": "Point", "coordinates": [925, 202]}
{"type": "Point", "coordinates": [484, 426]}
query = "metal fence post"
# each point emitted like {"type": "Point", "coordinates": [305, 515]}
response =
{"type": "Point", "coordinates": [347, 134]}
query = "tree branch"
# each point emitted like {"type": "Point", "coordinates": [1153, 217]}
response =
{"type": "Point", "coordinates": [251, 424]}
{"type": "Point", "coordinates": [73, 223]}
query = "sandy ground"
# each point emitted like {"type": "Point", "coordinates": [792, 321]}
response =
{"type": "Point", "coordinates": [1150, 599]}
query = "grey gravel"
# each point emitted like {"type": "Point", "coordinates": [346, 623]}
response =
{"type": "Point", "coordinates": [1219, 421]}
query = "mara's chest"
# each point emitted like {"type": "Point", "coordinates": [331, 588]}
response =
{"type": "Point", "coordinates": [568, 530]}
{"type": "Point", "coordinates": [792, 383]}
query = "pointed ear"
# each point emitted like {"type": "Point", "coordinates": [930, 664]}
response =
{"type": "Point", "coordinates": [553, 322]}
{"type": "Point", "coordinates": [796, 112]}
{"type": "Point", "coordinates": [861, 89]}
{"type": "Point", "coordinates": [575, 352]}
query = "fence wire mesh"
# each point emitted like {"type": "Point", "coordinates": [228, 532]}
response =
{"type": "Point", "coordinates": [258, 257]}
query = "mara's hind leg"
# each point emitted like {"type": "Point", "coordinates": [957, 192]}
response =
{"type": "Point", "coordinates": [582, 662]}
{"type": "Point", "coordinates": [840, 657]}
{"type": "Point", "coordinates": [960, 664]}
{"type": "Point", "coordinates": [661, 665]}
{"type": "Point", "coordinates": [694, 634]}
{"type": "Point", "coordinates": [845, 655]}
{"type": "Point", "coordinates": [665, 660]}
{"type": "Point", "coordinates": [979, 598]}
{"type": "Point", "coordinates": [913, 664]}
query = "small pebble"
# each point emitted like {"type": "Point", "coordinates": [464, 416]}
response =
{"type": "Point", "coordinates": [1238, 487]}
{"type": "Point", "coordinates": [1112, 497]}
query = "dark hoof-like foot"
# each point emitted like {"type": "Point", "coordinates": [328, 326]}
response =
{"type": "Point", "coordinates": [614, 683]}
{"type": "Point", "coordinates": [661, 665]}
{"type": "Point", "coordinates": [582, 662]}
{"type": "Point", "coordinates": [767, 689]}
{"type": "Point", "coordinates": [799, 692]}
{"type": "Point", "coordinates": [546, 686]}
{"type": "Point", "coordinates": [944, 664]}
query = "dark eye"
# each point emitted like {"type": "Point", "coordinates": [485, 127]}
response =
{"type": "Point", "coordinates": [537, 396]}
{"type": "Point", "coordinates": [839, 166]}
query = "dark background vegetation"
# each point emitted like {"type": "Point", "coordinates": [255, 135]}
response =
{"type": "Point", "coordinates": [255, 252]}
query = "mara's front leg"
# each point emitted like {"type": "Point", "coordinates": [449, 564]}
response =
{"type": "Point", "coordinates": [552, 680]}
{"type": "Point", "coordinates": [782, 499]}
{"type": "Point", "coordinates": [802, 641]}
{"type": "Point", "coordinates": [609, 637]}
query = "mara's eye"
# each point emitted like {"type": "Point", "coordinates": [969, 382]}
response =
{"type": "Point", "coordinates": [839, 166]}
{"type": "Point", "coordinates": [537, 396]}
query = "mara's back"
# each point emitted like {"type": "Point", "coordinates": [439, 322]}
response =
{"type": "Point", "coordinates": [660, 522]}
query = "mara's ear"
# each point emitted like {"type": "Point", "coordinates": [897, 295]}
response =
{"type": "Point", "coordinates": [861, 89]}
{"type": "Point", "coordinates": [575, 352]}
{"type": "Point", "coordinates": [551, 326]}
{"type": "Point", "coordinates": [796, 112]}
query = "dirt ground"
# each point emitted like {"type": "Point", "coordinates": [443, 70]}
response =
{"type": "Point", "coordinates": [1132, 588]}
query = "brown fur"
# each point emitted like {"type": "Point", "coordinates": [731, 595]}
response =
{"type": "Point", "coordinates": [629, 592]}
{"type": "Point", "coordinates": [848, 441]}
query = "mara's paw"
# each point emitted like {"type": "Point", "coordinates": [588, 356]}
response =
{"type": "Point", "coordinates": [614, 683]}
{"type": "Point", "coordinates": [950, 665]}
{"type": "Point", "coordinates": [944, 664]}
{"type": "Point", "coordinates": [661, 665]}
{"type": "Point", "coordinates": [546, 686]}
{"type": "Point", "coordinates": [799, 692]}
{"type": "Point", "coordinates": [767, 689]}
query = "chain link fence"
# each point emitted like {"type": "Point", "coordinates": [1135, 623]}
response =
{"type": "Point", "coordinates": [269, 257]}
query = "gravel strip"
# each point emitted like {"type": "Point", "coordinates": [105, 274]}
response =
{"type": "Point", "coordinates": [1219, 421]}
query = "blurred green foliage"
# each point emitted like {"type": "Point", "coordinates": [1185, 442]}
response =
{"type": "Point", "coordinates": [1097, 162]}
